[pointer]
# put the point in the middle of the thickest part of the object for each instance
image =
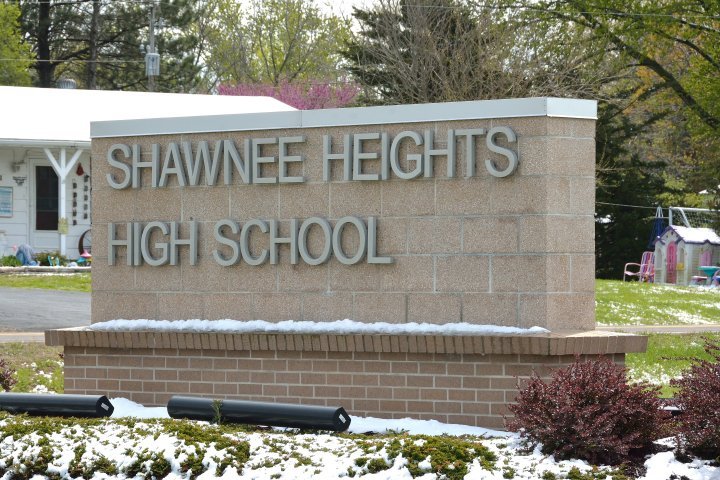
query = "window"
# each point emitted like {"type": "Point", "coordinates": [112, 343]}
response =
{"type": "Point", "coordinates": [46, 198]}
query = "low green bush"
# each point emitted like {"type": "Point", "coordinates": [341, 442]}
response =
{"type": "Point", "coordinates": [43, 258]}
{"type": "Point", "coordinates": [9, 261]}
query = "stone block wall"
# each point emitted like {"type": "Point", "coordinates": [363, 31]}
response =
{"type": "Point", "coordinates": [514, 251]}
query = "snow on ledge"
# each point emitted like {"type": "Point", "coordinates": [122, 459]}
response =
{"type": "Point", "coordinates": [338, 327]}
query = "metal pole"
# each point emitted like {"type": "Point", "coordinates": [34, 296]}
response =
{"type": "Point", "coordinates": [151, 45]}
{"type": "Point", "coordinates": [259, 413]}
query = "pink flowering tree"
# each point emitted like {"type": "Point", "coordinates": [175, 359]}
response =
{"type": "Point", "coordinates": [303, 96]}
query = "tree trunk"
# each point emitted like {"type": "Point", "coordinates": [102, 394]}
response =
{"type": "Point", "coordinates": [45, 67]}
{"type": "Point", "coordinates": [91, 79]}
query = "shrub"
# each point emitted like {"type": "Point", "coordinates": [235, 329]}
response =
{"type": "Point", "coordinates": [9, 261]}
{"type": "Point", "coordinates": [589, 411]}
{"type": "Point", "coordinates": [44, 260]}
{"type": "Point", "coordinates": [7, 376]}
{"type": "Point", "coordinates": [698, 398]}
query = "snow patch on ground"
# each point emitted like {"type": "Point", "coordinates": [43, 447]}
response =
{"type": "Point", "coordinates": [322, 456]}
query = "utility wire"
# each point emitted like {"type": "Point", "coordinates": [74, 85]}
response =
{"type": "Point", "coordinates": [623, 205]}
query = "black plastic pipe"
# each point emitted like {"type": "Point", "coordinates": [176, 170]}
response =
{"type": "Point", "coordinates": [56, 405]}
{"type": "Point", "coordinates": [259, 413]}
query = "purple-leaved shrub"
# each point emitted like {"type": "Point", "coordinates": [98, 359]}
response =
{"type": "Point", "coordinates": [7, 376]}
{"type": "Point", "coordinates": [698, 398]}
{"type": "Point", "coordinates": [588, 411]}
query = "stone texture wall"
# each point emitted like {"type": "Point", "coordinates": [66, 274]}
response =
{"type": "Point", "coordinates": [467, 380]}
{"type": "Point", "coordinates": [514, 251]}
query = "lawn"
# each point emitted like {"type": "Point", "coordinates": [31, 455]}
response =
{"type": "Point", "coordinates": [75, 282]}
{"type": "Point", "coordinates": [666, 357]}
{"type": "Point", "coordinates": [635, 303]}
{"type": "Point", "coordinates": [39, 368]}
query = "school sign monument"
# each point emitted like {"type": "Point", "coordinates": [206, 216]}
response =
{"type": "Point", "coordinates": [475, 212]}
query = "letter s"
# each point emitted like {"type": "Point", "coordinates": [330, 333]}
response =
{"type": "Point", "coordinates": [511, 155]}
{"type": "Point", "coordinates": [120, 165]}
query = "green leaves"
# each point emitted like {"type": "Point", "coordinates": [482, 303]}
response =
{"type": "Point", "coordinates": [15, 55]}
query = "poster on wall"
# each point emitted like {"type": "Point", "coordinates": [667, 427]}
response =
{"type": "Point", "coordinates": [6, 202]}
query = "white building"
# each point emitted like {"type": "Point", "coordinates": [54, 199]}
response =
{"type": "Point", "coordinates": [45, 154]}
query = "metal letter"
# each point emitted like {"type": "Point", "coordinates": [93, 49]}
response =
{"type": "Point", "coordinates": [372, 244]}
{"type": "Point", "coordinates": [448, 152]}
{"type": "Point", "coordinates": [257, 159]}
{"type": "Point", "coordinates": [470, 134]}
{"type": "Point", "coordinates": [413, 157]}
{"type": "Point", "coordinates": [359, 156]}
{"type": "Point", "coordinates": [113, 243]}
{"type": "Point", "coordinates": [153, 164]}
{"type": "Point", "coordinates": [284, 159]}
{"type": "Point", "coordinates": [172, 154]}
{"type": "Point", "coordinates": [327, 239]}
{"type": "Point", "coordinates": [275, 241]}
{"type": "Point", "coordinates": [511, 155]}
{"type": "Point", "coordinates": [337, 240]}
{"type": "Point", "coordinates": [120, 165]}
{"type": "Point", "coordinates": [202, 155]}
{"type": "Point", "coordinates": [190, 242]}
{"type": "Point", "coordinates": [384, 156]}
{"type": "Point", "coordinates": [242, 164]}
{"type": "Point", "coordinates": [234, 246]}
{"type": "Point", "coordinates": [145, 245]}
{"type": "Point", "coordinates": [245, 244]}
{"type": "Point", "coordinates": [346, 156]}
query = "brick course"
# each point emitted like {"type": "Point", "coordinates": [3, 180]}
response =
{"type": "Point", "coordinates": [451, 379]}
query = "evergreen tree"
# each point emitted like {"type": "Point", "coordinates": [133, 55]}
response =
{"type": "Point", "coordinates": [98, 42]}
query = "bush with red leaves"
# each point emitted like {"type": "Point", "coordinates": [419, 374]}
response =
{"type": "Point", "coordinates": [588, 411]}
{"type": "Point", "coordinates": [7, 376]}
{"type": "Point", "coordinates": [698, 398]}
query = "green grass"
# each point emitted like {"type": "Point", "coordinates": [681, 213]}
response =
{"type": "Point", "coordinates": [666, 358]}
{"type": "Point", "coordinates": [38, 368]}
{"type": "Point", "coordinates": [76, 282]}
{"type": "Point", "coordinates": [634, 303]}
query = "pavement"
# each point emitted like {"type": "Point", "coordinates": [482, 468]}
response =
{"type": "Point", "coordinates": [26, 313]}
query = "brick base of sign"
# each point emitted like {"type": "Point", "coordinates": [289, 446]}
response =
{"type": "Point", "coordinates": [467, 380]}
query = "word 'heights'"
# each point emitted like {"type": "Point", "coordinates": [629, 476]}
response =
{"type": "Point", "coordinates": [407, 155]}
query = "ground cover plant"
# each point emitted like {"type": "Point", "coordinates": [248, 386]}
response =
{"type": "Point", "coordinates": [636, 303]}
{"type": "Point", "coordinates": [77, 282]}
{"type": "Point", "coordinates": [40, 447]}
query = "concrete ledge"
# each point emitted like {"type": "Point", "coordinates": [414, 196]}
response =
{"type": "Point", "coordinates": [561, 343]}
{"type": "Point", "coordinates": [40, 269]}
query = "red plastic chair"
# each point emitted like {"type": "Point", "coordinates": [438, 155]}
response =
{"type": "Point", "coordinates": [644, 271]}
